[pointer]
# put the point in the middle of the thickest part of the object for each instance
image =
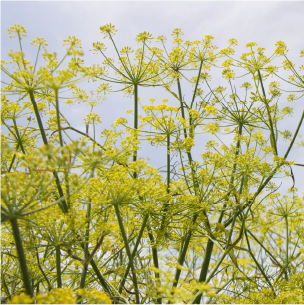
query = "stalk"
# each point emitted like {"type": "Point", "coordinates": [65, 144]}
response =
{"type": "Point", "coordinates": [13, 160]}
{"type": "Point", "coordinates": [205, 265]}
{"type": "Point", "coordinates": [287, 245]}
{"type": "Point", "coordinates": [100, 276]}
{"type": "Point", "coordinates": [86, 252]}
{"type": "Point", "coordinates": [86, 248]}
{"type": "Point", "coordinates": [210, 244]}
{"type": "Point", "coordinates": [265, 249]}
{"type": "Point", "coordinates": [184, 249]}
{"type": "Point", "coordinates": [182, 254]}
{"type": "Point", "coordinates": [58, 267]}
{"type": "Point", "coordinates": [5, 285]}
{"type": "Point", "coordinates": [269, 116]}
{"type": "Point", "coordinates": [58, 118]}
{"type": "Point", "coordinates": [197, 297]}
{"type": "Point", "coordinates": [21, 257]}
{"type": "Point", "coordinates": [168, 163]}
{"type": "Point", "coordinates": [190, 160]}
{"type": "Point", "coordinates": [197, 81]}
{"type": "Point", "coordinates": [134, 252]}
{"type": "Point", "coordinates": [124, 236]}
{"type": "Point", "coordinates": [258, 265]}
{"type": "Point", "coordinates": [155, 262]}
{"type": "Point", "coordinates": [18, 136]}
{"type": "Point", "coordinates": [168, 183]}
{"type": "Point", "coordinates": [61, 144]}
{"type": "Point", "coordinates": [63, 205]}
{"type": "Point", "coordinates": [43, 273]}
{"type": "Point", "coordinates": [44, 139]}
{"type": "Point", "coordinates": [135, 119]}
{"type": "Point", "coordinates": [295, 136]}
{"type": "Point", "coordinates": [181, 104]}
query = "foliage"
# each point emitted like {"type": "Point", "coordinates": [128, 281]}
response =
{"type": "Point", "coordinates": [89, 220]}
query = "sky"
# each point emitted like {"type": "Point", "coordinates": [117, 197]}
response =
{"type": "Point", "coordinates": [262, 22]}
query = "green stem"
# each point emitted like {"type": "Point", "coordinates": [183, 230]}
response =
{"type": "Point", "coordinates": [181, 104]}
{"type": "Point", "coordinates": [265, 249]}
{"type": "Point", "coordinates": [99, 276]}
{"type": "Point", "coordinates": [168, 163]}
{"type": "Point", "coordinates": [198, 296]}
{"type": "Point", "coordinates": [5, 285]}
{"type": "Point", "coordinates": [124, 236]}
{"type": "Point", "coordinates": [61, 144]}
{"type": "Point", "coordinates": [86, 248]}
{"type": "Point", "coordinates": [155, 261]}
{"type": "Point", "coordinates": [207, 258]}
{"type": "Point", "coordinates": [294, 137]}
{"type": "Point", "coordinates": [122, 283]}
{"type": "Point", "coordinates": [13, 160]}
{"type": "Point", "coordinates": [166, 205]}
{"type": "Point", "coordinates": [287, 245]}
{"type": "Point", "coordinates": [216, 267]}
{"type": "Point", "coordinates": [196, 85]}
{"type": "Point", "coordinates": [58, 267]}
{"type": "Point", "coordinates": [44, 139]}
{"type": "Point", "coordinates": [58, 118]}
{"type": "Point", "coordinates": [190, 160]}
{"type": "Point", "coordinates": [43, 273]}
{"type": "Point", "coordinates": [184, 249]}
{"type": "Point", "coordinates": [257, 263]}
{"type": "Point", "coordinates": [269, 116]}
{"type": "Point", "coordinates": [18, 136]}
{"type": "Point", "coordinates": [210, 244]}
{"type": "Point", "coordinates": [21, 257]}
{"type": "Point", "coordinates": [63, 204]}
{"type": "Point", "coordinates": [86, 252]}
{"type": "Point", "coordinates": [85, 135]}
{"type": "Point", "coordinates": [183, 252]}
{"type": "Point", "coordinates": [135, 119]}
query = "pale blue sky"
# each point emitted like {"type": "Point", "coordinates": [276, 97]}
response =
{"type": "Point", "coordinates": [263, 22]}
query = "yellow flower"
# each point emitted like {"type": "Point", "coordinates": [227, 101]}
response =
{"type": "Point", "coordinates": [92, 118]}
{"type": "Point", "coordinates": [120, 121]}
{"type": "Point", "coordinates": [99, 46]}
{"type": "Point", "coordinates": [250, 44]}
{"type": "Point", "coordinates": [21, 299]}
{"type": "Point", "coordinates": [210, 294]}
{"type": "Point", "coordinates": [227, 51]}
{"type": "Point", "coordinates": [16, 30]}
{"type": "Point", "coordinates": [144, 37]}
{"type": "Point", "coordinates": [108, 30]}
{"type": "Point", "coordinates": [228, 73]}
{"type": "Point", "coordinates": [177, 32]}
{"type": "Point", "coordinates": [211, 128]}
{"type": "Point", "coordinates": [281, 48]}
{"type": "Point", "coordinates": [233, 41]}
{"type": "Point", "coordinates": [211, 109]}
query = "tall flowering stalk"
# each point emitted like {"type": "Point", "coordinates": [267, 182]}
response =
{"type": "Point", "coordinates": [142, 72]}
